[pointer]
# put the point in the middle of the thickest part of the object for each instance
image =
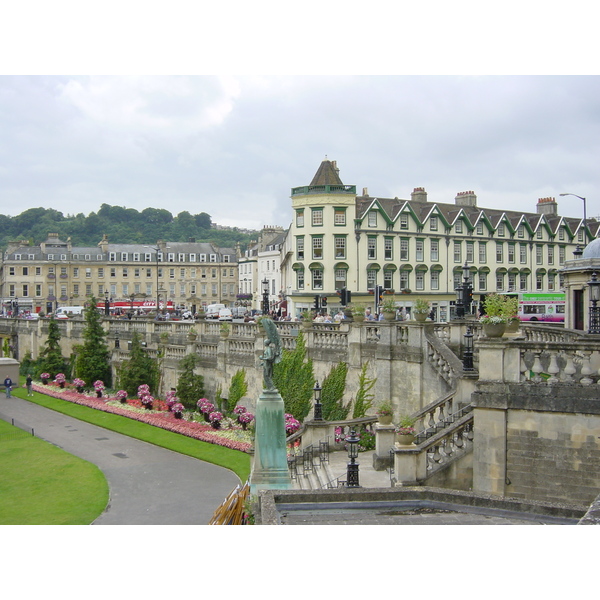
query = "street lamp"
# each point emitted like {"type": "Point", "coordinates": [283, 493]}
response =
{"type": "Point", "coordinates": [468, 354]}
{"type": "Point", "coordinates": [464, 294]}
{"type": "Point", "coordinates": [318, 406]}
{"type": "Point", "coordinates": [584, 214]}
{"type": "Point", "coordinates": [265, 298]}
{"type": "Point", "coordinates": [352, 471]}
{"type": "Point", "coordinates": [106, 304]}
{"type": "Point", "coordinates": [594, 285]}
{"type": "Point", "coordinates": [157, 250]}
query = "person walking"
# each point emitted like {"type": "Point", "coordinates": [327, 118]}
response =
{"type": "Point", "coordinates": [8, 386]}
{"type": "Point", "coordinates": [28, 384]}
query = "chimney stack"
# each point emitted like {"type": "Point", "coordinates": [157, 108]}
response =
{"type": "Point", "coordinates": [419, 195]}
{"type": "Point", "coordinates": [466, 199]}
{"type": "Point", "coordinates": [547, 206]}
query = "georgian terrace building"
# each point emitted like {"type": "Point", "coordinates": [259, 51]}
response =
{"type": "Point", "coordinates": [183, 274]}
{"type": "Point", "coordinates": [417, 248]}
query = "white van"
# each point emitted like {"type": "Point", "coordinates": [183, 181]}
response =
{"type": "Point", "coordinates": [212, 310]}
{"type": "Point", "coordinates": [225, 315]}
{"type": "Point", "coordinates": [68, 311]}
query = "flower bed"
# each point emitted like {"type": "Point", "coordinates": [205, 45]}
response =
{"type": "Point", "coordinates": [133, 409]}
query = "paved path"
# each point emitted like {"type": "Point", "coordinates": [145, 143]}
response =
{"type": "Point", "coordinates": [148, 485]}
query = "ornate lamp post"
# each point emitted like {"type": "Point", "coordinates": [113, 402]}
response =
{"type": "Point", "coordinates": [464, 294]}
{"type": "Point", "coordinates": [594, 285]}
{"type": "Point", "coordinates": [468, 354]}
{"type": "Point", "coordinates": [265, 296]}
{"type": "Point", "coordinates": [352, 471]}
{"type": "Point", "coordinates": [467, 290]}
{"type": "Point", "coordinates": [318, 406]}
{"type": "Point", "coordinates": [106, 304]}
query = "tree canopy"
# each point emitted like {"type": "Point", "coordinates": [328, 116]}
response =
{"type": "Point", "coordinates": [121, 225]}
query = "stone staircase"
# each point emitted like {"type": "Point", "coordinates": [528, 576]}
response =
{"type": "Point", "coordinates": [311, 470]}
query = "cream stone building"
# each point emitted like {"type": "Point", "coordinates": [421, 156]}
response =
{"type": "Point", "coordinates": [418, 248]}
{"type": "Point", "coordinates": [260, 268]}
{"type": "Point", "coordinates": [179, 275]}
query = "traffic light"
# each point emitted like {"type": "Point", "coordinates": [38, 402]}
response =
{"type": "Point", "coordinates": [378, 297]}
{"type": "Point", "coordinates": [323, 302]}
{"type": "Point", "coordinates": [316, 305]}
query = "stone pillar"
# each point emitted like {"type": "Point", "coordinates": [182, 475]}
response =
{"type": "Point", "coordinates": [410, 465]}
{"type": "Point", "coordinates": [384, 442]}
{"type": "Point", "coordinates": [314, 432]}
{"type": "Point", "coordinates": [270, 469]}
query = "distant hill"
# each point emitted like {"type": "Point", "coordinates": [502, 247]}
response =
{"type": "Point", "coordinates": [121, 225]}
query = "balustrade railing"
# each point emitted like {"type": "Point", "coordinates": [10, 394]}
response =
{"type": "Point", "coordinates": [554, 363]}
{"type": "Point", "coordinates": [447, 445]}
{"type": "Point", "coordinates": [434, 414]}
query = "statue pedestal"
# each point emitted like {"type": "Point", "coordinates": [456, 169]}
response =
{"type": "Point", "coordinates": [270, 469]}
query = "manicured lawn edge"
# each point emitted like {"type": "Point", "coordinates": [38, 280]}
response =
{"type": "Point", "coordinates": [234, 460]}
{"type": "Point", "coordinates": [42, 484]}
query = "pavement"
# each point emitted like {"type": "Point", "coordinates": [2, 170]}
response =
{"type": "Point", "coordinates": [148, 485]}
{"type": "Point", "coordinates": [367, 476]}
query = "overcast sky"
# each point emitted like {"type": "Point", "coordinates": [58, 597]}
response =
{"type": "Point", "coordinates": [234, 146]}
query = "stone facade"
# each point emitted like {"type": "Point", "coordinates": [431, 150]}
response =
{"type": "Point", "coordinates": [416, 247]}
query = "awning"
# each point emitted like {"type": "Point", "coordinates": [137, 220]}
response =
{"type": "Point", "coordinates": [298, 267]}
{"type": "Point", "coordinates": [421, 268]}
{"type": "Point", "coordinates": [373, 267]}
{"type": "Point", "coordinates": [341, 265]}
{"type": "Point", "coordinates": [513, 271]}
{"type": "Point", "coordinates": [390, 267]}
{"type": "Point", "coordinates": [437, 268]}
{"type": "Point", "coordinates": [501, 270]}
{"type": "Point", "coordinates": [406, 267]}
{"type": "Point", "coordinates": [316, 265]}
{"type": "Point", "coordinates": [540, 271]}
{"type": "Point", "coordinates": [525, 271]}
{"type": "Point", "coordinates": [484, 269]}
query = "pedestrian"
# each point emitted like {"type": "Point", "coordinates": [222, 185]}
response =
{"type": "Point", "coordinates": [28, 384]}
{"type": "Point", "coordinates": [8, 386]}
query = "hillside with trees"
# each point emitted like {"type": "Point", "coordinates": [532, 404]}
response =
{"type": "Point", "coordinates": [122, 225]}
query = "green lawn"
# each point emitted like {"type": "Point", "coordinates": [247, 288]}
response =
{"type": "Point", "coordinates": [236, 461]}
{"type": "Point", "coordinates": [41, 484]}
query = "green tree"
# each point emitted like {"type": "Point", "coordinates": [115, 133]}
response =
{"type": "Point", "coordinates": [364, 397]}
{"type": "Point", "coordinates": [139, 369]}
{"type": "Point", "coordinates": [92, 361]}
{"type": "Point", "coordinates": [237, 389]}
{"type": "Point", "coordinates": [51, 358]}
{"type": "Point", "coordinates": [190, 386]}
{"type": "Point", "coordinates": [294, 379]}
{"type": "Point", "coordinates": [332, 394]}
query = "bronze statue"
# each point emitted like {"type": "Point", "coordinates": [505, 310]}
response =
{"type": "Point", "coordinates": [272, 352]}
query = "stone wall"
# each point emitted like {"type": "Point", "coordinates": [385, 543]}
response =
{"type": "Point", "coordinates": [395, 353]}
{"type": "Point", "coordinates": [543, 444]}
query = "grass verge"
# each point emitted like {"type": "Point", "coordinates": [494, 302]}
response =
{"type": "Point", "coordinates": [236, 461]}
{"type": "Point", "coordinates": [41, 484]}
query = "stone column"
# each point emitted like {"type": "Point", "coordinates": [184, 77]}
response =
{"type": "Point", "coordinates": [384, 442]}
{"type": "Point", "coordinates": [410, 465]}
